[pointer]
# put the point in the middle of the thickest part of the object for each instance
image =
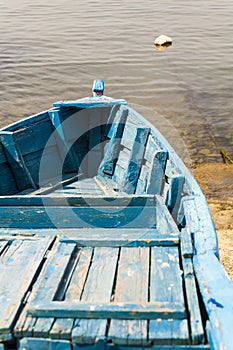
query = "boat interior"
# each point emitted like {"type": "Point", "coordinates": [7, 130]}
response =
{"type": "Point", "coordinates": [95, 234]}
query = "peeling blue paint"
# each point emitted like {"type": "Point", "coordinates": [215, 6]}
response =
{"type": "Point", "coordinates": [215, 302]}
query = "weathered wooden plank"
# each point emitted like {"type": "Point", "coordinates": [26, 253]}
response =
{"type": "Point", "coordinates": [199, 223]}
{"type": "Point", "coordinates": [157, 177]}
{"type": "Point", "coordinates": [54, 185]}
{"type": "Point", "coordinates": [151, 149]}
{"type": "Point", "coordinates": [123, 158]}
{"type": "Point", "coordinates": [62, 328]}
{"type": "Point", "coordinates": [132, 285]}
{"type": "Point", "coordinates": [217, 291]}
{"type": "Point", "coordinates": [85, 187]}
{"type": "Point", "coordinates": [2, 155]}
{"type": "Point", "coordinates": [186, 243]}
{"type": "Point", "coordinates": [164, 221]}
{"type": "Point", "coordinates": [174, 195]}
{"type": "Point", "coordinates": [62, 142]}
{"type": "Point", "coordinates": [37, 162]}
{"type": "Point", "coordinates": [197, 331]}
{"type": "Point", "coordinates": [8, 185]}
{"type": "Point", "coordinates": [14, 156]}
{"type": "Point", "coordinates": [107, 185]}
{"type": "Point", "coordinates": [114, 310]}
{"type": "Point", "coordinates": [142, 180]}
{"type": "Point", "coordinates": [121, 237]}
{"type": "Point", "coordinates": [98, 288]}
{"type": "Point", "coordinates": [154, 347]}
{"type": "Point", "coordinates": [90, 233]}
{"type": "Point", "coordinates": [19, 265]}
{"type": "Point", "coordinates": [108, 130]}
{"type": "Point", "coordinates": [166, 285]}
{"type": "Point", "coordinates": [113, 147]}
{"type": "Point", "coordinates": [45, 344]}
{"type": "Point", "coordinates": [135, 161]}
{"type": "Point", "coordinates": [95, 146]}
{"type": "Point", "coordinates": [171, 169]}
{"type": "Point", "coordinates": [45, 288]}
{"type": "Point", "coordinates": [118, 176]}
{"type": "Point", "coordinates": [77, 282]}
{"type": "Point", "coordinates": [129, 135]}
{"type": "Point", "coordinates": [121, 200]}
{"type": "Point", "coordinates": [65, 216]}
{"type": "Point", "coordinates": [34, 137]}
{"type": "Point", "coordinates": [53, 284]}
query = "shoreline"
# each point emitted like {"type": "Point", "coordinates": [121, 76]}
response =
{"type": "Point", "coordinates": [216, 182]}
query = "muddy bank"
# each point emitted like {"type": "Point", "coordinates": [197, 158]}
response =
{"type": "Point", "coordinates": [216, 182]}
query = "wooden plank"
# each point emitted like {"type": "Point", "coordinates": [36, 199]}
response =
{"type": "Point", "coordinates": [157, 177]}
{"type": "Point", "coordinates": [155, 347]}
{"type": "Point", "coordinates": [110, 121]}
{"type": "Point", "coordinates": [174, 195]}
{"type": "Point", "coordinates": [33, 137]}
{"type": "Point", "coordinates": [121, 237]}
{"type": "Point", "coordinates": [197, 331]}
{"type": "Point", "coordinates": [118, 176]}
{"type": "Point", "coordinates": [123, 158]}
{"type": "Point", "coordinates": [62, 328]}
{"type": "Point", "coordinates": [164, 221]}
{"type": "Point", "coordinates": [142, 180]}
{"type": "Point", "coordinates": [199, 223]}
{"type": "Point", "coordinates": [19, 265]}
{"type": "Point", "coordinates": [42, 173]}
{"type": "Point", "coordinates": [89, 233]}
{"type": "Point", "coordinates": [8, 185]}
{"type": "Point", "coordinates": [195, 319]}
{"type": "Point", "coordinates": [107, 185]}
{"type": "Point", "coordinates": [113, 147]}
{"type": "Point", "coordinates": [76, 285]}
{"type": "Point", "coordinates": [119, 200]}
{"type": "Point", "coordinates": [171, 169]}
{"type": "Point", "coordinates": [151, 149]}
{"type": "Point", "coordinates": [2, 155]}
{"type": "Point", "coordinates": [166, 285]}
{"type": "Point", "coordinates": [134, 165]}
{"type": "Point", "coordinates": [132, 285]}
{"type": "Point", "coordinates": [98, 288]}
{"type": "Point", "coordinates": [53, 283]}
{"type": "Point", "coordinates": [94, 154]}
{"type": "Point", "coordinates": [45, 288]}
{"type": "Point", "coordinates": [50, 188]}
{"type": "Point", "coordinates": [114, 310]}
{"type": "Point", "coordinates": [63, 145]}
{"type": "Point", "coordinates": [20, 171]}
{"type": "Point", "coordinates": [82, 187]}
{"type": "Point", "coordinates": [216, 289]}
{"type": "Point", "coordinates": [61, 217]}
{"type": "Point", "coordinates": [186, 243]}
{"type": "Point", "coordinates": [45, 344]}
{"type": "Point", "coordinates": [129, 135]}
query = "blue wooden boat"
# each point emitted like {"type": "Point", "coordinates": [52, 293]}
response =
{"type": "Point", "coordinates": [106, 240]}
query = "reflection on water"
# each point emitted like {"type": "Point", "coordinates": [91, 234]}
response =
{"type": "Point", "coordinates": [53, 50]}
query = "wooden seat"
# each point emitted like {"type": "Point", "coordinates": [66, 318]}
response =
{"type": "Point", "coordinates": [102, 277]}
{"type": "Point", "coordinates": [115, 271]}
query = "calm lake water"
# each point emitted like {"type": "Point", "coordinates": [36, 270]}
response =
{"type": "Point", "coordinates": [52, 50]}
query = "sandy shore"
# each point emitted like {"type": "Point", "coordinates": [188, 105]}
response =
{"type": "Point", "coordinates": [216, 182]}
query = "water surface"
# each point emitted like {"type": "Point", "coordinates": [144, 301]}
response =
{"type": "Point", "coordinates": [53, 50]}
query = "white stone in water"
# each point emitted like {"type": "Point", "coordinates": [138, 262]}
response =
{"type": "Point", "coordinates": [162, 40]}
